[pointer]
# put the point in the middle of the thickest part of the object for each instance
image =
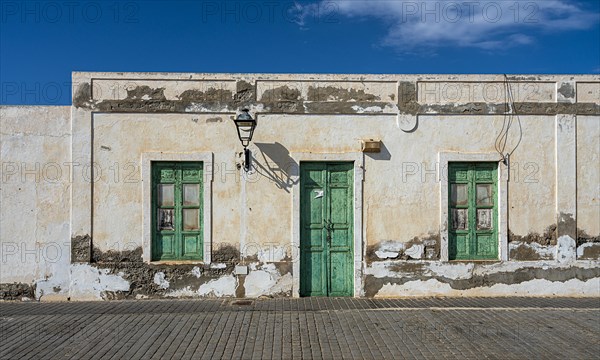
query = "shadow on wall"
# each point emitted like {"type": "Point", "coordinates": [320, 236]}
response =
{"type": "Point", "coordinates": [275, 163]}
{"type": "Point", "coordinates": [384, 154]}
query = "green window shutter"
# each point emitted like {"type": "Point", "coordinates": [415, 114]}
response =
{"type": "Point", "coordinates": [473, 211]}
{"type": "Point", "coordinates": [177, 213]}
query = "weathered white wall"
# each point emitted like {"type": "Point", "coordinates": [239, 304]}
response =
{"type": "Point", "coordinates": [401, 184]}
{"type": "Point", "coordinates": [35, 195]}
{"type": "Point", "coordinates": [533, 183]}
{"type": "Point", "coordinates": [120, 140]}
{"type": "Point", "coordinates": [588, 174]}
{"type": "Point", "coordinates": [403, 192]}
{"type": "Point", "coordinates": [116, 118]}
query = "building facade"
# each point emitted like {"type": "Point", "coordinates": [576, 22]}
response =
{"type": "Point", "coordinates": [358, 185]}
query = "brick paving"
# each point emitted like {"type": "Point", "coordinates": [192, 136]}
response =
{"type": "Point", "coordinates": [472, 328]}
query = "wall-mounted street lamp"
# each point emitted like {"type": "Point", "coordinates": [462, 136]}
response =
{"type": "Point", "coordinates": [245, 125]}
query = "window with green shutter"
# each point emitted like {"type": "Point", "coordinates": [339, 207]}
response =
{"type": "Point", "coordinates": [473, 211]}
{"type": "Point", "coordinates": [177, 191]}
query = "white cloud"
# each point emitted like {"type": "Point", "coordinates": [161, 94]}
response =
{"type": "Point", "coordinates": [298, 13]}
{"type": "Point", "coordinates": [414, 24]}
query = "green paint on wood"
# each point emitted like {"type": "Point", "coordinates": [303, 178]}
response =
{"type": "Point", "coordinates": [326, 229]}
{"type": "Point", "coordinates": [177, 191]}
{"type": "Point", "coordinates": [473, 211]}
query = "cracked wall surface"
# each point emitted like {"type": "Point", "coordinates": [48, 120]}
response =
{"type": "Point", "coordinates": [91, 215]}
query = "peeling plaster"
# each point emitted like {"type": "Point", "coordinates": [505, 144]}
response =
{"type": "Point", "coordinates": [267, 281]}
{"type": "Point", "coordinates": [537, 287]}
{"type": "Point", "coordinates": [589, 251]}
{"type": "Point", "coordinates": [52, 288]}
{"type": "Point", "coordinates": [368, 109]}
{"type": "Point", "coordinates": [565, 249]}
{"type": "Point", "coordinates": [415, 251]}
{"type": "Point", "coordinates": [223, 286]}
{"type": "Point", "coordinates": [444, 278]}
{"type": "Point", "coordinates": [454, 271]}
{"type": "Point", "coordinates": [391, 246]}
{"type": "Point", "coordinates": [197, 272]}
{"type": "Point", "coordinates": [330, 98]}
{"type": "Point", "coordinates": [386, 254]}
{"type": "Point", "coordinates": [530, 251]}
{"type": "Point", "coordinates": [331, 93]}
{"type": "Point", "coordinates": [567, 91]}
{"type": "Point", "coordinates": [89, 283]}
{"type": "Point", "coordinates": [272, 253]}
{"type": "Point", "coordinates": [417, 248]}
{"type": "Point", "coordinates": [160, 280]}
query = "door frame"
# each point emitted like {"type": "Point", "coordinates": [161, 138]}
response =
{"type": "Point", "coordinates": [148, 158]}
{"type": "Point", "coordinates": [502, 198]}
{"type": "Point", "coordinates": [357, 158]}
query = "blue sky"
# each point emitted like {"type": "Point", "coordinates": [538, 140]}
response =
{"type": "Point", "coordinates": [42, 42]}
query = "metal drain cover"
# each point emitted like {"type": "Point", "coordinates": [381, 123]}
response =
{"type": "Point", "coordinates": [242, 302]}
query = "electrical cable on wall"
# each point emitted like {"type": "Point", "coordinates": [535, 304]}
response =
{"type": "Point", "coordinates": [510, 112]}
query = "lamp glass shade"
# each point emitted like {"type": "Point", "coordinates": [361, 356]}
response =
{"type": "Point", "coordinates": [245, 127]}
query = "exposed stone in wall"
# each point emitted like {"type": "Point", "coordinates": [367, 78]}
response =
{"type": "Point", "coordinates": [343, 107]}
{"type": "Point", "coordinates": [211, 95]}
{"type": "Point", "coordinates": [245, 92]}
{"type": "Point", "coordinates": [432, 247]}
{"type": "Point", "coordinates": [424, 247]}
{"type": "Point", "coordinates": [332, 93]}
{"type": "Point", "coordinates": [81, 249]}
{"type": "Point", "coordinates": [468, 276]}
{"type": "Point", "coordinates": [588, 251]}
{"type": "Point", "coordinates": [17, 291]}
{"type": "Point", "coordinates": [281, 93]}
{"type": "Point", "coordinates": [547, 238]}
{"type": "Point", "coordinates": [155, 280]}
{"type": "Point", "coordinates": [588, 246]}
{"type": "Point", "coordinates": [320, 100]}
{"type": "Point", "coordinates": [144, 92]}
{"type": "Point", "coordinates": [583, 237]}
{"type": "Point", "coordinates": [528, 251]}
{"type": "Point", "coordinates": [284, 107]}
{"type": "Point", "coordinates": [480, 108]}
{"type": "Point", "coordinates": [83, 95]}
{"type": "Point", "coordinates": [535, 246]}
{"type": "Point", "coordinates": [407, 101]}
{"type": "Point", "coordinates": [124, 275]}
{"type": "Point", "coordinates": [145, 106]}
{"type": "Point", "coordinates": [567, 91]}
{"type": "Point", "coordinates": [301, 107]}
{"type": "Point", "coordinates": [566, 226]}
{"type": "Point", "coordinates": [226, 253]}
{"type": "Point", "coordinates": [113, 256]}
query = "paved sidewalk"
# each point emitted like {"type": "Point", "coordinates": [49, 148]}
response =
{"type": "Point", "coordinates": [498, 328]}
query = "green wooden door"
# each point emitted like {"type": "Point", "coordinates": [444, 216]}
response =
{"type": "Point", "coordinates": [326, 231]}
{"type": "Point", "coordinates": [177, 211]}
{"type": "Point", "coordinates": [473, 211]}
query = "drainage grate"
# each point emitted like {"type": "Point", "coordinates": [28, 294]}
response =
{"type": "Point", "coordinates": [242, 302]}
